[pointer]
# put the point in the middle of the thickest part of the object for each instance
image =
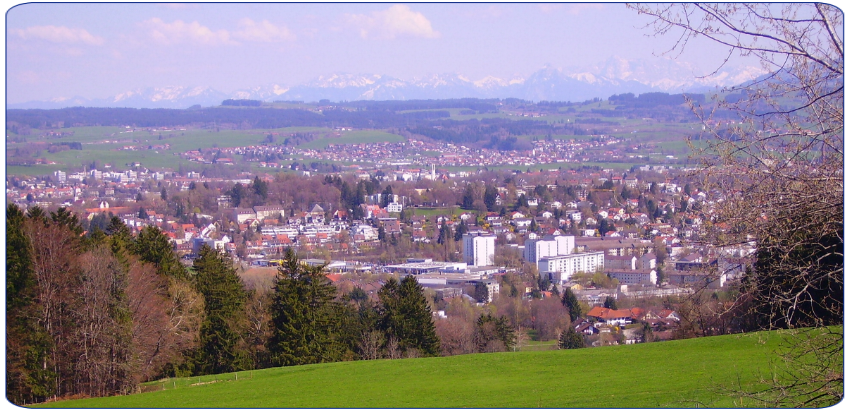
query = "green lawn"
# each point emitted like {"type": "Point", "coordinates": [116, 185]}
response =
{"type": "Point", "coordinates": [359, 136]}
{"type": "Point", "coordinates": [665, 374]}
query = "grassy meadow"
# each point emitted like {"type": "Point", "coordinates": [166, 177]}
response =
{"type": "Point", "coordinates": [683, 373]}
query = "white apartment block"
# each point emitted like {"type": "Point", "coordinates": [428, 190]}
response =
{"type": "Point", "coordinates": [394, 207]}
{"type": "Point", "coordinates": [561, 268]}
{"type": "Point", "coordinates": [536, 249]}
{"type": "Point", "coordinates": [634, 277]}
{"type": "Point", "coordinates": [479, 249]}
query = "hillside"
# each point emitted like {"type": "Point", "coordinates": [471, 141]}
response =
{"type": "Point", "coordinates": [683, 373]}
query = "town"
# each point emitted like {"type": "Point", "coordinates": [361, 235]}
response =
{"type": "Point", "coordinates": [607, 235]}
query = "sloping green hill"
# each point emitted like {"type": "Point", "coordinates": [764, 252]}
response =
{"type": "Point", "coordinates": [676, 373]}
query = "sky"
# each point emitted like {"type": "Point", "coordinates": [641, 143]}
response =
{"type": "Point", "coordinates": [62, 50]}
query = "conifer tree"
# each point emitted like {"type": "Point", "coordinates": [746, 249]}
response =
{"type": "Point", "coordinates": [224, 297]}
{"type": "Point", "coordinates": [304, 315]}
{"type": "Point", "coordinates": [570, 339]}
{"type": "Point", "coordinates": [570, 301]}
{"type": "Point", "coordinates": [405, 316]}
{"type": "Point", "coordinates": [27, 344]}
{"type": "Point", "coordinates": [152, 246]}
{"type": "Point", "coordinates": [494, 333]}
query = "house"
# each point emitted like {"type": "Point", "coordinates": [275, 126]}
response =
{"type": "Point", "coordinates": [669, 314]}
{"type": "Point", "coordinates": [240, 215]}
{"type": "Point", "coordinates": [394, 207]}
{"type": "Point", "coordinates": [317, 214]}
{"type": "Point", "coordinates": [612, 316]}
{"type": "Point", "coordinates": [586, 328]}
{"type": "Point", "coordinates": [263, 212]}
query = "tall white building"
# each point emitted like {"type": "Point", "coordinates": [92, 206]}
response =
{"type": "Point", "coordinates": [536, 249]}
{"type": "Point", "coordinates": [561, 268]}
{"type": "Point", "coordinates": [479, 249]}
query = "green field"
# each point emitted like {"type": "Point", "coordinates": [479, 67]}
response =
{"type": "Point", "coordinates": [353, 137]}
{"type": "Point", "coordinates": [682, 373]}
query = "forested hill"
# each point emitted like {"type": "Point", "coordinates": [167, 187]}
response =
{"type": "Point", "coordinates": [493, 123]}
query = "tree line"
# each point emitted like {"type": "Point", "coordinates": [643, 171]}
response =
{"type": "Point", "coordinates": [95, 313]}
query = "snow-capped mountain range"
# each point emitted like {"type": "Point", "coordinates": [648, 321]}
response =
{"type": "Point", "coordinates": [614, 76]}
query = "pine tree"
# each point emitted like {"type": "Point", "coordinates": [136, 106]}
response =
{"type": "Point", "coordinates": [494, 333]}
{"type": "Point", "coordinates": [444, 234]}
{"type": "Point", "coordinates": [152, 246]}
{"type": "Point", "coordinates": [570, 301]}
{"type": "Point", "coordinates": [490, 196]}
{"type": "Point", "coordinates": [570, 339]}
{"type": "Point", "coordinates": [304, 315]}
{"type": "Point", "coordinates": [224, 297]}
{"type": "Point", "coordinates": [468, 198]}
{"type": "Point", "coordinates": [386, 196]}
{"type": "Point", "coordinates": [405, 316]}
{"type": "Point", "coordinates": [27, 343]}
{"type": "Point", "coordinates": [260, 189]}
{"type": "Point", "coordinates": [461, 230]}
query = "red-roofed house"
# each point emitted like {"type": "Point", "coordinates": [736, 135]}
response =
{"type": "Point", "coordinates": [613, 317]}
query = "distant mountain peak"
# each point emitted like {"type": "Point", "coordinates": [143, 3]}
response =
{"type": "Point", "coordinates": [615, 75]}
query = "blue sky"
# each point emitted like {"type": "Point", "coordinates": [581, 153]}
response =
{"type": "Point", "coordinates": [99, 50]}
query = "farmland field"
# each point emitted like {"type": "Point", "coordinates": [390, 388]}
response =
{"type": "Point", "coordinates": [353, 137]}
{"type": "Point", "coordinates": [682, 373]}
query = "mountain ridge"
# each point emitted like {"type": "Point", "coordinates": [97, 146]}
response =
{"type": "Point", "coordinates": [615, 76]}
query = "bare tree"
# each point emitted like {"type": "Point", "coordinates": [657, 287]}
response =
{"type": "Point", "coordinates": [370, 343]}
{"type": "Point", "coordinates": [456, 335]}
{"type": "Point", "coordinates": [773, 164]}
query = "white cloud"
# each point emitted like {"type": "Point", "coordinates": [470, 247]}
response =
{"type": "Point", "coordinates": [263, 31]}
{"type": "Point", "coordinates": [182, 32]}
{"type": "Point", "coordinates": [395, 21]}
{"type": "Point", "coordinates": [57, 34]}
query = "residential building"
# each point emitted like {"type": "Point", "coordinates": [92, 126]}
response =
{"type": "Point", "coordinates": [561, 268]}
{"type": "Point", "coordinates": [633, 277]}
{"type": "Point", "coordinates": [479, 249]}
{"type": "Point", "coordinates": [536, 249]}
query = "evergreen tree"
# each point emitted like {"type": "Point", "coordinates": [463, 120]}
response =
{"type": "Point", "coordinates": [604, 227]}
{"type": "Point", "coordinates": [610, 303]}
{"type": "Point", "coordinates": [481, 292]}
{"type": "Point", "coordinates": [27, 343]}
{"type": "Point", "coordinates": [490, 195]}
{"type": "Point", "coordinates": [468, 198]}
{"type": "Point", "coordinates": [444, 234]}
{"type": "Point", "coordinates": [461, 230]}
{"type": "Point", "coordinates": [405, 315]}
{"type": "Point", "coordinates": [522, 201]}
{"type": "Point", "coordinates": [533, 227]}
{"type": "Point", "coordinates": [494, 333]}
{"type": "Point", "coordinates": [224, 295]}
{"type": "Point", "coordinates": [237, 194]}
{"type": "Point", "coordinates": [570, 301]}
{"type": "Point", "coordinates": [152, 246]}
{"type": "Point", "coordinates": [260, 188]}
{"type": "Point", "coordinates": [305, 318]}
{"type": "Point", "coordinates": [570, 339]}
{"type": "Point", "coordinates": [386, 196]}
